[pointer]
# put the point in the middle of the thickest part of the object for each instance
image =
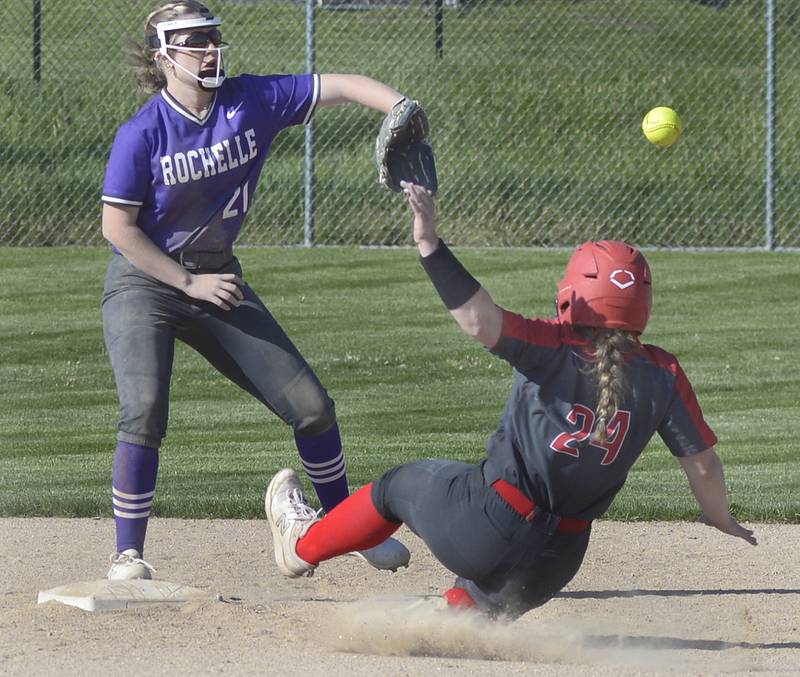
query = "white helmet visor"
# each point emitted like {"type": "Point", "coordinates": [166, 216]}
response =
{"type": "Point", "coordinates": [201, 41]}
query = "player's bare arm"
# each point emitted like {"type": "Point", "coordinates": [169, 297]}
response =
{"type": "Point", "coordinates": [120, 229]}
{"type": "Point", "coordinates": [478, 316]}
{"type": "Point", "coordinates": [707, 481]}
{"type": "Point", "coordinates": [337, 89]}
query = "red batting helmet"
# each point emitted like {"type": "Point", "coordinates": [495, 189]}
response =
{"type": "Point", "coordinates": [606, 284]}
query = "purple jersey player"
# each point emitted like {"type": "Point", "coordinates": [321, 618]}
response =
{"type": "Point", "coordinates": [586, 398]}
{"type": "Point", "coordinates": [181, 177]}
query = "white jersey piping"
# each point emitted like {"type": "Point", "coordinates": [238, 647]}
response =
{"type": "Point", "coordinates": [176, 106]}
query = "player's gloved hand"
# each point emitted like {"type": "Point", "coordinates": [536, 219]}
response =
{"type": "Point", "coordinates": [223, 290]}
{"type": "Point", "coordinates": [421, 202]}
{"type": "Point", "coordinates": [402, 149]}
{"type": "Point", "coordinates": [732, 528]}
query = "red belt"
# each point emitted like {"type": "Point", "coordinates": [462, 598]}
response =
{"type": "Point", "coordinates": [526, 507]}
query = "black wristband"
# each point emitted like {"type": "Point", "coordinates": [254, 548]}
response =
{"type": "Point", "coordinates": [453, 282]}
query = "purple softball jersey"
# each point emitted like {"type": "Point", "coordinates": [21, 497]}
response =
{"type": "Point", "coordinates": [542, 444]}
{"type": "Point", "coordinates": [195, 179]}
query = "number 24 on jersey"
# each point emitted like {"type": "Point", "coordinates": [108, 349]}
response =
{"type": "Point", "coordinates": [583, 417]}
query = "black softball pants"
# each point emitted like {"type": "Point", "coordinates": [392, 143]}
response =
{"type": "Point", "coordinates": [507, 564]}
{"type": "Point", "coordinates": [142, 317]}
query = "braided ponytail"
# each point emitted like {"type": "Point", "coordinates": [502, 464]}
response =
{"type": "Point", "coordinates": [611, 348]}
{"type": "Point", "coordinates": [146, 69]}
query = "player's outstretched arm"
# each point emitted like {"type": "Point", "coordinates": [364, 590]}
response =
{"type": "Point", "coordinates": [120, 229]}
{"type": "Point", "coordinates": [707, 481]}
{"type": "Point", "coordinates": [468, 302]}
{"type": "Point", "coordinates": [336, 89]}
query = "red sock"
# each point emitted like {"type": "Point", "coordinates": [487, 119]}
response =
{"type": "Point", "coordinates": [459, 598]}
{"type": "Point", "coordinates": [354, 524]}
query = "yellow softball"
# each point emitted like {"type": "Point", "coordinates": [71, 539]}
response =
{"type": "Point", "coordinates": [662, 126]}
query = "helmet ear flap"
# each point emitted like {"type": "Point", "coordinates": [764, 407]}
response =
{"type": "Point", "coordinates": [563, 301]}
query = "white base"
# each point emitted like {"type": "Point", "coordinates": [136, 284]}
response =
{"type": "Point", "coordinates": [105, 595]}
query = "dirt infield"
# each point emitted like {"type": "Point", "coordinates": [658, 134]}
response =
{"type": "Point", "coordinates": [651, 598]}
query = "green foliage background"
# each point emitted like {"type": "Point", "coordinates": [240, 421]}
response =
{"type": "Point", "coordinates": [535, 108]}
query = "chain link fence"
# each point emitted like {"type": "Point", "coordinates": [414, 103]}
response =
{"type": "Point", "coordinates": [535, 107]}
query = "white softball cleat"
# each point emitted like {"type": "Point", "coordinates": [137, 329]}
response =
{"type": "Point", "coordinates": [387, 556]}
{"type": "Point", "coordinates": [289, 517]}
{"type": "Point", "coordinates": [128, 565]}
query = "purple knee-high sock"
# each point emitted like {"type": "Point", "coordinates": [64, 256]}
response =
{"type": "Point", "coordinates": [133, 485]}
{"type": "Point", "coordinates": [323, 462]}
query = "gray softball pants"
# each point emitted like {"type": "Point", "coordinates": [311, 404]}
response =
{"type": "Point", "coordinates": [142, 317]}
{"type": "Point", "coordinates": [507, 565]}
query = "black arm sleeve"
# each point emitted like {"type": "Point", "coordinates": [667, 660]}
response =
{"type": "Point", "coordinates": [453, 282]}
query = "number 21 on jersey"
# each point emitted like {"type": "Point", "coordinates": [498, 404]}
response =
{"type": "Point", "coordinates": [583, 417]}
{"type": "Point", "coordinates": [232, 208]}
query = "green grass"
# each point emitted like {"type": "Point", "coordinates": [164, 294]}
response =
{"type": "Point", "coordinates": [407, 383]}
{"type": "Point", "coordinates": [535, 108]}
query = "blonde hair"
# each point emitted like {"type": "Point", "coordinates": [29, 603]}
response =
{"type": "Point", "coordinates": [147, 71]}
{"type": "Point", "coordinates": [609, 352]}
